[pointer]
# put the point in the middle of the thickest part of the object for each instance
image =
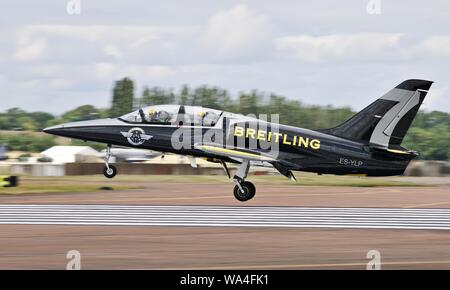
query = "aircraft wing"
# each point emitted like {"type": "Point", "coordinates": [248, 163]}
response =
{"type": "Point", "coordinates": [255, 157]}
{"type": "Point", "coordinates": [234, 153]}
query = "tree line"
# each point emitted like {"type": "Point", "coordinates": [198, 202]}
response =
{"type": "Point", "coordinates": [429, 133]}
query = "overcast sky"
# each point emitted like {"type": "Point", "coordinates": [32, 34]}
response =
{"type": "Point", "coordinates": [326, 52]}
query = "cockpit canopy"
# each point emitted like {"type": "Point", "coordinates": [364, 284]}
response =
{"type": "Point", "coordinates": [174, 115]}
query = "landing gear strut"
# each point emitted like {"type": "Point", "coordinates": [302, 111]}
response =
{"type": "Point", "coordinates": [244, 190]}
{"type": "Point", "coordinates": [109, 171]}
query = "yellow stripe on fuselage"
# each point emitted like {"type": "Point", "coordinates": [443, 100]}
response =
{"type": "Point", "coordinates": [234, 152]}
{"type": "Point", "coordinates": [398, 151]}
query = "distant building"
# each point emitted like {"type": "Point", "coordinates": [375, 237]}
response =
{"type": "Point", "coordinates": [3, 152]}
{"type": "Point", "coordinates": [71, 154]}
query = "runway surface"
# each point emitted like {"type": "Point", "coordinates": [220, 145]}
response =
{"type": "Point", "coordinates": [226, 216]}
{"type": "Point", "coordinates": [283, 227]}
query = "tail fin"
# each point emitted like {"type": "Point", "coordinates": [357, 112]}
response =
{"type": "Point", "coordinates": [386, 121]}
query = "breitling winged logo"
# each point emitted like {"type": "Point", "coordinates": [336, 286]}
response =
{"type": "Point", "coordinates": [136, 136]}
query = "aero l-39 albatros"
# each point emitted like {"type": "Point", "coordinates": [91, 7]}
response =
{"type": "Point", "coordinates": [369, 143]}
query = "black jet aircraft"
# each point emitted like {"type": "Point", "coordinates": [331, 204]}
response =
{"type": "Point", "coordinates": [369, 143]}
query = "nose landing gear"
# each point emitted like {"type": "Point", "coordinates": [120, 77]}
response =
{"type": "Point", "coordinates": [109, 171]}
{"type": "Point", "coordinates": [244, 190]}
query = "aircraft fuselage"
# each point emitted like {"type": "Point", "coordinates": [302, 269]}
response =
{"type": "Point", "coordinates": [298, 149]}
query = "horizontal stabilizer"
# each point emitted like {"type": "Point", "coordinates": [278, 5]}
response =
{"type": "Point", "coordinates": [398, 153]}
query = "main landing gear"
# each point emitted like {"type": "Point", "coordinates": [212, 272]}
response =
{"type": "Point", "coordinates": [244, 190]}
{"type": "Point", "coordinates": [109, 171]}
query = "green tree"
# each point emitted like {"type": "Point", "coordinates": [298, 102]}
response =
{"type": "Point", "coordinates": [82, 113]}
{"type": "Point", "coordinates": [157, 96]}
{"type": "Point", "coordinates": [41, 119]}
{"type": "Point", "coordinates": [122, 100]}
{"type": "Point", "coordinates": [248, 103]}
{"type": "Point", "coordinates": [429, 133]}
{"type": "Point", "coordinates": [431, 143]}
{"type": "Point", "coordinates": [27, 142]}
{"type": "Point", "coordinates": [13, 118]}
{"type": "Point", "coordinates": [184, 95]}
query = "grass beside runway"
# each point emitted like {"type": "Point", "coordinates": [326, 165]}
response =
{"type": "Point", "coordinates": [33, 185]}
{"type": "Point", "coordinates": [93, 183]}
{"type": "Point", "coordinates": [308, 179]}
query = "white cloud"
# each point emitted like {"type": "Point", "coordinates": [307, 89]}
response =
{"type": "Point", "coordinates": [104, 70]}
{"type": "Point", "coordinates": [144, 40]}
{"type": "Point", "coordinates": [145, 72]}
{"type": "Point", "coordinates": [437, 46]}
{"type": "Point", "coordinates": [60, 84]}
{"type": "Point", "coordinates": [113, 51]}
{"type": "Point", "coordinates": [30, 49]}
{"type": "Point", "coordinates": [148, 73]}
{"type": "Point", "coordinates": [95, 33]}
{"type": "Point", "coordinates": [367, 47]}
{"type": "Point", "coordinates": [318, 48]}
{"type": "Point", "coordinates": [132, 44]}
{"type": "Point", "coordinates": [29, 84]}
{"type": "Point", "coordinates": [336, 55]}
{"type": "Point", "coordinates": [237, 31]}
{"type": "Point", "coordinates": [437, 98]}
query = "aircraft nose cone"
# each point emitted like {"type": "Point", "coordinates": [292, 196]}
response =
{"type": "Point", "coordinates": [54, 129]}
{"type": "Point", "coordinates": [84, 130]}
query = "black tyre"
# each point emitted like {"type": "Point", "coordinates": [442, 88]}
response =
{"type": "Point", "coordinates": [111, 172]}
{"type": "Point", "coordinates": [249, 191]}
{"type": "Point", "coordinates": [252, 189]}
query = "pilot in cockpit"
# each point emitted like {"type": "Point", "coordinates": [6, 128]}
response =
{"type": "Point", "coordinates": [152, 115]}
{"type": "Point", "coordinates": [160, 116]}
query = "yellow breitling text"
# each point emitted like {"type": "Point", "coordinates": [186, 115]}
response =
{"type": "Point", "coordinates": [277, 137]}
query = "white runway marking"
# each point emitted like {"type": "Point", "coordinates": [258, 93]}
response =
{"type": "Point", "coordinates": [227, 216]}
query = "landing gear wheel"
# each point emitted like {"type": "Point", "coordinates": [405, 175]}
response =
{"type": "Point", "coordinates": [249, 191]}
{"type": "Point", "coordinates": [110, 172]}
